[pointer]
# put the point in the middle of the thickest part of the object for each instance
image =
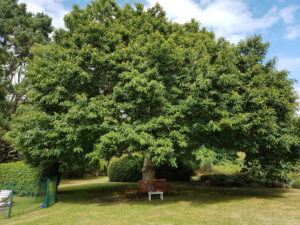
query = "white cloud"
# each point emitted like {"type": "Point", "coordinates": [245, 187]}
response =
{"type": "Point", "coordinates": [180, 10]}
{"type": "Point", "coordinates": [292, 32]}
{"type": "Point", "coordinates": [291, 64]}
{"type": "Point", "coordinates": [297, 90]}
{"type": "Point", "coordinates": [229, 18]}
{"type": "Point", "coordinates": [53, 8]}
{"type": "Point", "coordinates": [288, 13]}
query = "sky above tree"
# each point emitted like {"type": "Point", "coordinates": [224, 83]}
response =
{"type": "Point", "coordinates": [278, 21]}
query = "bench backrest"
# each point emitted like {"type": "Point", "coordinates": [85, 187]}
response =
{"type": "Point", "coordinates": [5, 195]}
{"type": "Point", "coordinates": [158, 184]}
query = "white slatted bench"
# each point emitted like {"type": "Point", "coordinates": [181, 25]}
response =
{"type": "Point", "coordinates": [156, 193]}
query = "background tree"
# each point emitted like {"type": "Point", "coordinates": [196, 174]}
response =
{"type": "Point", "coordinates": [127, 80]}
{"type": "Point", "coordinates": [19, 30]}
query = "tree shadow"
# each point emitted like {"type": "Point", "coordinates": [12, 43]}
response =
{"type": "Point", "coordinates": [116, 193]}
{"type": "Point", "coordinates": [21, 207]}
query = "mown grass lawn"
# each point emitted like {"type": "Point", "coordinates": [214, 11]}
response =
{"type": "Point", "coordinates": [116, 203]}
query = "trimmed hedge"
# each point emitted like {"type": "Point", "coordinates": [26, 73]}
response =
{"type": "Point", "coordinates": [26, 179]}
{"type": "Point", "coordinates": [125, 169]}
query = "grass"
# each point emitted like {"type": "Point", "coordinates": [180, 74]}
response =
{"type": "Point", "coordinates": [226, 169]}
{"type": "Point", "coordinates": [88, 180]}
{"type": "Point", "coordinates": [87, 202]}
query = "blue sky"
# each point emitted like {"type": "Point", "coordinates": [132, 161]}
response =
{"type": "Point", "coordinates": [278, 21]}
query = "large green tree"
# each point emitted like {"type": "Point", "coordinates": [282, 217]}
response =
{"type": "Point", "coordinates": [19, 30]}
{"type": "Point", "coordinates": [127, 80]}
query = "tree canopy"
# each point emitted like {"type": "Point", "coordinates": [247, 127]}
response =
{"type": "Point", "coordinates": [19, 30]}
{"type": "Point", "coordinates": [126, 80]}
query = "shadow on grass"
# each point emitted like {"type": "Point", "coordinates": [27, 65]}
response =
{"type": "Point", "coordinates": [116, 193]}
{"type": "Point", "coordinates": [111, 194]}
{"type": "Point", "coordinates": [23, 206]}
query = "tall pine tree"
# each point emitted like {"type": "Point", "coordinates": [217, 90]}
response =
{"type": "Point", "coordinates": [19, 31]}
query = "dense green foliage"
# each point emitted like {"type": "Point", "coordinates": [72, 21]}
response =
{"type": "Point", "coordinates": [128, 168]}
{"type": "Point", "coordinates": [125, 169]}
{"type": "Point", "coordinates": [26, 179]}
{"type": "Point", "coordinates": [19, 31]}
{"type": "Point", "coordinates": [3, 103]}
{"type": "Point", "coordinates": [182, 172]}
{"type": "Point", "coordinates": [296, 184]}
{"type": "Point", "coordinates": [126, 80]}
{"type": "Point", "coordinates": [81, 168]}
{"type": "Point", "coordinates": [295, 176]}
{"type": "Point", "coordinates": [231, 180]}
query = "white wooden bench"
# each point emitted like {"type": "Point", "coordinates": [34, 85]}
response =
{"type": "Point", "coordinates": [156, 193]}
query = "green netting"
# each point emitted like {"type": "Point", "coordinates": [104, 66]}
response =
{"type": "Point", "coordinates": [5, 211]}
{"type": "Point", "coordinates": [44, 191]}
{"type": "Point", "coordinates": [50, 188]}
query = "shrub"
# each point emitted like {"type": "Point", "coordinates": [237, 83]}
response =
{"type": "Point", "coordinates": [25, 179]}
{"type": "Point", "coordinates": [76, 170]}
{"type": "Point", "coordinates": [226, 169]}
{"type": "Point", "coordinates": [182, 172]}
{"type": "Point", "coordinates": [125, 169]}
{"type": "Point", "coordinates": [296, 184]}
{"type": "Point", "coordinates": [233, 180]}
{"type": "Point", "coordinates": [295, 176]}
{"type": "Point", "coordinates": [102, 166]}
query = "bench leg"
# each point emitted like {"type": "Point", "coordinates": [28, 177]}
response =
{"type": "Point", "coordinates": [162, 196]}
{"type": "Point", "coordinates": [149, 197]}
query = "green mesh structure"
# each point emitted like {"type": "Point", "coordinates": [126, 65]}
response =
{"type": "Point", "coordinates": [49, 187]}
{"type": "Point", "coordinates": [44, 191]}
{"type": "Point", "coordinates": [6, 207]}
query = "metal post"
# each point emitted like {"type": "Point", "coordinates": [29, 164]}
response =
{"type": "Point", "coordinates": [47, 190]}
{"type": "Point", "coordinates": [55, 199]}
{"type": "Point", "coordinates": [11, 200]}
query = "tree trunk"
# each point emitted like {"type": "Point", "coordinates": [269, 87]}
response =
{"type": "Point", "coordinates": [7, 154]}
{"type": "Point", "coordinates": [148, 169]}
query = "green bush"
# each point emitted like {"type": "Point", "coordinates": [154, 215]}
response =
{"type": "Point", "coordinates": [26, 179]}
{"type": "Point", "coordinates": [296, 184]}
{"type": "Point", "coordinates": [125, 169]}
{"type": "Point", "coordinates": [182, 172]}
{"type": "Point", "coordinates": [226, 169]}
{"type": "Point", "coordinates": [295, 176]}
{"type": "Point", "coordinates": [232, 180]}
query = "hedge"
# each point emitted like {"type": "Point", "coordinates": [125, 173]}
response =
{"type": "Point", "coordinates": [125, 169]}
{"type": "Point", "coordinates": [26, 179]}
